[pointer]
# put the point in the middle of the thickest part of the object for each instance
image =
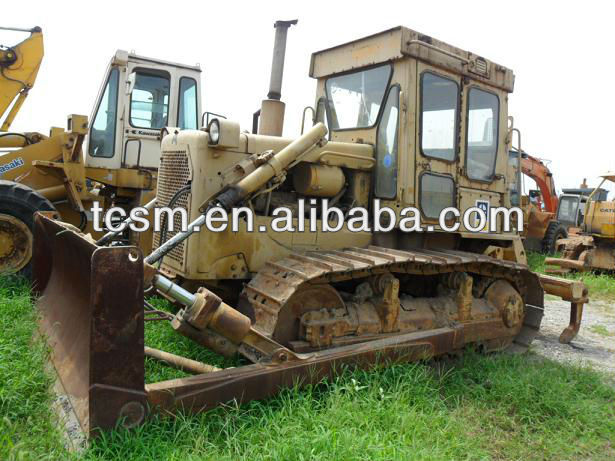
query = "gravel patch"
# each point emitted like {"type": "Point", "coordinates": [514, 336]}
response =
{"type": "Point", "coordinates": [595, 343]}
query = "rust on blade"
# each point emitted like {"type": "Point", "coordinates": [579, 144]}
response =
{"type": "Point", "coordinates": [91, 311]}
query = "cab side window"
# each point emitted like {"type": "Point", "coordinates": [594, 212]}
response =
{"type": "Point", "coordinates": [482, 134]}
{"type": "Point", "coordinates": [386, 147]}
{"type": "Point", "coordinates": [149, 102]}
{"type": "Point", "coordinates": [438, 124]}
{"type": "Point", "coordinates": [187, 116]}
{"type": "Point", "coordinates": [102, 134]}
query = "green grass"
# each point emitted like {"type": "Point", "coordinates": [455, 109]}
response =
{"type": "Point", "coordinates": [27, 430]}
{"type": "Point", "coordinates": [160, 335]}
{"type": "Point", "coordinates": [601, 330]}
{"type": "Point", "coordinates": [484, 407]}
{"type": "Point", "coordinates": [601, 285]}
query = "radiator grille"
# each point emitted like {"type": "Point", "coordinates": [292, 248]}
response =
{"type": "Point", "coordinates": [173, 174]}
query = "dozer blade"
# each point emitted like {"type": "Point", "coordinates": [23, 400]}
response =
{"type": "Point", "coordinates": [91, 313]}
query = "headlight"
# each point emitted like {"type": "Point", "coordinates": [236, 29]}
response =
{"type": "Point", "coordinates": [214, 131]}
{"type": "Point", "coordinates": [223, 133]}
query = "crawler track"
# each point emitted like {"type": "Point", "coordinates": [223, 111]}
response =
{"type": "Point", "coordinates": [267, 293]}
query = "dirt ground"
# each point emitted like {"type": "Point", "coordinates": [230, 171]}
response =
{"type": "Point", "coordinates": [595, 343]}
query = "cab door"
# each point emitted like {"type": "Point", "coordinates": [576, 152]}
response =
{"type": "Point", "coordinates": [437, 141]}
{"type": "Point", "coordinates": [105, 138]}
{"type": "Point", "coordinates": [484, 156]}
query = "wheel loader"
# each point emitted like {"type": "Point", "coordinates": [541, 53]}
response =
{"type": "Point", "coordinates": [398, 116]}
{"type": "Point", "coordinates": [113, 160]}
{"type": "Point", "coordinates": [592, 248]}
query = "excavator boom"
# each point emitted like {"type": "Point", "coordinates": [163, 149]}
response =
{"type": "Point", "coordinates": [538, 171]}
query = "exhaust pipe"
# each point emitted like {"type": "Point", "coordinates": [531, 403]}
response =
{"type": "Point", "coordinates": [272, 108]}
{"type": "Point", "coordinates": [279, 52]}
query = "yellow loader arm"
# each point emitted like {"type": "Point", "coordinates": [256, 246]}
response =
{"type": "Point", "coordinates": [19, 66]}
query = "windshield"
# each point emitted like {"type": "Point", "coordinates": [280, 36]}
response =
{"type": "Point", "coordinates": [149, 102]}
{"type": "Point", "coordinates": [355, 99]}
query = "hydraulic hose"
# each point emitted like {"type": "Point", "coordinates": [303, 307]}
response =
{"type": "Point", "coordinates": [163, 228]}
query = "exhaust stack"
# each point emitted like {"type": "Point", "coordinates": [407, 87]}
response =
{"type": "Point", "coordinates": [272, 108]}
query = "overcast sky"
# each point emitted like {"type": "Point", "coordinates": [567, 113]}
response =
{"type": "Point", "coordinates": [562, 55]}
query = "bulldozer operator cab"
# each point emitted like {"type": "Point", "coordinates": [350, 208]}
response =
{"type": "Point", "coordinates": [435, 114]}
{"type": "Point", "coordinates": [140, 96]}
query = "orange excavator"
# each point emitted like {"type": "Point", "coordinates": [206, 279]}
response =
{"type": "Point", "coordinates": [539, 172]}
{"type": "Point", "coordinates": [541, 229]}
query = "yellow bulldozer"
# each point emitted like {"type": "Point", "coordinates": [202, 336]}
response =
{"type": "Point", "coordinates": [113, 160]}
{"type": "Point", "coordinates": [400, 120]}
{"type": "Point", "coordinates": [592, 246]}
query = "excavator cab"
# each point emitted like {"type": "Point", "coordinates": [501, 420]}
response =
{"type": "Point", "coordinates": [573, 202]}
{"type": "Point", "coordinates": [541, 228]}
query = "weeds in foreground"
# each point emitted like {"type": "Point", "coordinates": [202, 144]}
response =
{"type": "Point", "coordinates": [481, 407]}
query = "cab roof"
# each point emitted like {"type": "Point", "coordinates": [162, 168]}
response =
{"type": "Point", "coordinates": [122, 57]}
{"type": "Point", "coordinates": [400, 42]}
